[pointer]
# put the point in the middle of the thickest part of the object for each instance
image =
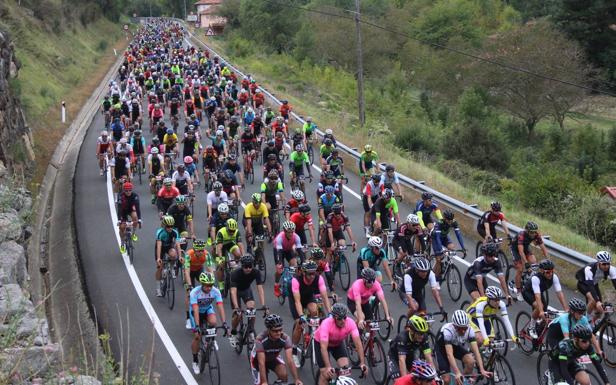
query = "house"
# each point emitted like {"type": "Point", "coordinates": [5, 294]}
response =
{"type": "Point", "coordinates": [206, 15]}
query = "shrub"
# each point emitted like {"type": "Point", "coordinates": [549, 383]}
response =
{"type": "Point", "coordinates": [595, 218]}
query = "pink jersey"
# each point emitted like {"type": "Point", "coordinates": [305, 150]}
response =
{"type": "Point", "coordinates": [332, 334]}
{"type": "Point", "coordinates": [359, 289]}
{"type": "Point", "coordinates": [295, 284]}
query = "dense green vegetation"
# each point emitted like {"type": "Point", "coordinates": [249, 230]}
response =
{"type": "Point", "coordinates": [520, 138]}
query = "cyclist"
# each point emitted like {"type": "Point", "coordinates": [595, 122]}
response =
{"type": "Point", "coordinates": [210, 163]}
{"type": "Point", "coordinates": [326, 202]}
{"type": "Point", "coordinates": [441, 241]}
{"type": "Point", "coordinates": [156, 167]}
{"type": "Point", "coordinates": [541, 281]}
{"type": "Point", "coordinates": [270, 148]}
{"type": "Point", "coordinates": [120, 170]}
{"type": "Point", "coordinates": [413, 286]}
{"type": "Point", "coordinates": [215, 199]}
{"type": "Point", "coordinates": [182, 216]}
{"type": "Point", "coordinates": [272, 164]}
{"type": "Point", "coordinates": [336, 224]}
{"type": "Point", "coordinates": [560, 328]}
{"type": "Point", "coordinates": [424, 209]}
{"type": "Point", "coordinates": [422, 373]}
{"type": "Point", "coordinates": [403, 241]}
{"type": "Point", "coordinates": [182, 180]}
{"type": "Point", "coordinates": [563, 362]}
{"type": "Point", "coordinates": [231, 187]}
{"type": "Point", "coordinates": [265, 355]}
{"type": "Point", "coordinates": [241, 280]}
{"type": "Point", "coordinates": [335, 164]}
{"type": "Point", "coordinates": [228, 240]}
{"type": "Point", "coordinates": [329, 134]}
{"type": "Point", "coordinates": [191, 169]}
{"type": "Point", "coordinates": [137, 143]}
{"type": "Point", "coordinates": [382, 210]}
{"type": "Point", "coordinates": [372, 256]}
{"type": "Point", "coordinates": [170, 140]}
{"type": "Point", "coordinates": [202, 299]}
{"type": "Point", "coordinates": [481, 311]}
{"type": "Point", "coordinates": [370, 193]}
{"type": "Point", "coordinates": [167, 246]}
{"type": "Point", "coordinates": [452, 343]}
{"type": "Point", "coordinates": [305, 287]}
{"type": "Point", "coordinates": [475, 277]}
{"type": "Point", "coordinates": [522, 256]}
{"type": "Point", "coordinates": [298, 159]}
{"type": "Point", "coordinates": [308, 128]}
{"type": "Point", "coordinates": [326, 150]}
{"type": "Point", "coordinates": [128, 206]}
{"type": "Point", "coordinates": [292, 206]}
{"type": "Point", "coordinates": [298, 137]}
{"type": "Point", "coordinates": [328, 179]}
{"type": "Point", "coordinates": [391, 180]}
{"type": "Point", "coordinates": [588, 279]}
{"type": "Point", "coordinates": [287, 245]}
{"type": "Point", "coordinates": [359, 298]}
{"type": "Point", "coordinates": [330, 338]}
{"type": "Point", "coordinates": [255, 216]}
{"type": "Point", "coordinates": [233, 165]}
{"type": "Point", "coordinates": [272, 190]}
{"type": "Point", "coordinates": [196, 261]}
{"type": "Point", "coordinates": [300, 219]}
{"type": "Point", "coordinates": [166, 195]}
{"type": "Point", "coordinates": [103, 148]}
{"type": "Point", "coordinates": [367, 164]}
{"type": "Point", "coordinates": [285, 109]}
{"type": "Point", "coordinates": [486, 227]}
{"type": "Point", "coordinates": [409, 345]}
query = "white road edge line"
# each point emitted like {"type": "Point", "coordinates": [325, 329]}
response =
{"type": "Point", "coordinates": [145, 301]}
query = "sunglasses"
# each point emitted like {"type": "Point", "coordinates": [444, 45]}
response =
{"type": "Point", "coordinates": [276, 330]}
{"type": "Point", "coordinates": [310, 274]}
{"type": "Point", "coordinates": [548, 271]}
{"type": "Point", "coordinates": [604, 264]}
{"type": "Point", "coordinates": [247, 266]}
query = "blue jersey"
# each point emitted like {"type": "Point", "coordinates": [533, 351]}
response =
{"type": "Point", "coordinates": [566, 322]}
{"type": "Point", "coordinates": [205, 300]}
{"type": "Point", "coordinates": [168, 239]}
{"type": "Point", "coordinates": [426, 211]}
{"type": "Point", "coordinates": [366, 254]}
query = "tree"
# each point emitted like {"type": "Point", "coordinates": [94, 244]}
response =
{"type": "Point", "coordinates": [269, 23]}
{"type": "Point", "coordinates": [539, 48]}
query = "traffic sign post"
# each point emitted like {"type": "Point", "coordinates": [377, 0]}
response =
{"type": "Point", "coordinates": [210, 32]}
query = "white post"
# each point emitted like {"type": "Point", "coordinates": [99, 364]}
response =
{"type": "Point", "coordinates": [63, 111]}
{"type": "Point", "coordinates": [115, 52]}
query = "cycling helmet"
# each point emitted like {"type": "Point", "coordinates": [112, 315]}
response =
{"type": "Point", "coordinates": [298, 195]}
{"type": "Point", "coordinates": [217, 186]}
{"type": "Point", "coordinates": [180, 199]}
{"type": "Point", "coordinates": [423, 370]}
{"type": "Point", "coordinates": [154, 151]}
{"type": "Point", "coordinates": [168, 220]}
{"type": "Point", "coordinates": [496, 206]}
{"type": "Point", "coordinates": [368, 274]}
{"type": "Point", "coordinates": [388, 193]}
{"type": "Point", "coordinates": [376, 177]}
{"type": "Point", "coordinates": [273, 321]}
{"type": "Point", "coordinates": [546, 264]}
{"type": "Point", "coordinates": [104, 133]}
{"type": "Point", "coordinates": [412, 219]}
{"type": "Point", "coordinates": [531, 226]}
{"type": "Point", "coordinates": [223, 208]}
{"type": "Point", "coordinates": [390, 167]}
{"type": "Point", "coordinates": [329, 190]}
{"type": "Point", "coordinates": [418, 324]}
{"type": "Point", "coordinates": [228, 174]}
{"type": "Point", "coordinates": [188, 159]}
{"type": "Point", "coordinates": [375, 242]}
{"type": "Point", "coordinates": [155, 140]}
{"type": "Point", "coordinates": [490, 249]}
{"type": "Point", "coordinates": [304, 209]}
{"type": "Point", "coordinates": [329, 131]}
{"type": "Point", "coordinates": [247, 260]}
{"type": "Point", "coordinates": [328, 142]}
{"type": "Point", "coordinates": [604, 257]}
{"type": "Point", "coordinates": [209, 149]}
{"type": "Point", "coordinates": [199, 245]}
{"type": "Point", "coordinates": [309, 266]}
{"type": "Point", "coordinates": [309, 118]}
{"type": "Point", "coordinates": [299, 147]}
{"type": "Point", "coordinates": [288, 226]}
{"type": "Point", "coordinates": [168, 181]}
{"type": "Point", "coordinates": [368, 148]}
{"type": "Point", "coordinates": [337, 208]}
{"type": "Point", "coordinates": [137, 132]}
{"type": "Point", "coordinates": [181, 166]}
{"type": "Point", "coordinates": [206, 278]}
{"type": "Point", "coordinates": [317, 253]}
{"type": "Point", "coordinates": [232, 157]}
{"type": "Point", "coordinates": [256, 197]}
{"type": "Point", "coordinates": [494, 292]}
{"type": "Point", "coordinates": [231, 224]}
{"type": "Point", "coordinates": [425, 196]}
{"type": "Point", "coordinates": [577, 305]}
{"type": "Point", "coordinates": [421, 264]}
{"type": "Point", "coordinates": [329, 174]}
{"type": "Point", "coordinates": [273, 174]}
{"type": "Point", "coordinates": [339, 311]}
{"type": "Point", "coordinates": [582, 332]}
{"type": "Point", "coordinates": [169, 131]}
{"type": "Point", "coordinates": [272, 157]}
{"type": "Point", "coordinates": [448, 214]}
{"type": "Point", "coordinates": [271, 142]}
{"type": "Point", "coordinates": [460, 318]}
{"type": "Point", "coordinates": [127, 186]}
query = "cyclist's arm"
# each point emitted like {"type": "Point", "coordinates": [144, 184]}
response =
{"type": "Point", "coordinates": [537, 293]}
{"type": "Point", "coordinates": [559, 292]}
{"type": "Point", "coordinates": [421, 221]}
{"type": "Point", "coordinates": [596, 360]}
{"type": "Point", "coordinates": [439, 214]}
{"type": "Point", "coordinates": [137, 206]}
{"type": "Point", "coordinates": [459, 236]}
{"type": "Point", "coordinates": [297, 298]}
{"type": "Point", "coordinates": [436, 289]}
{"type": "Point", "coordinates": [505, 318]}
{"type": "Point", "coordinates": [481, 322]}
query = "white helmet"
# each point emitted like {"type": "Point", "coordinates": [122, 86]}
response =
{"type": "Point", "coordinates": [375, 242]}
{"type": "Point", "coordinates": [329, 131]}
{"type": "Point", "coordinates": [412, 219]}
{"type": "Point", "coordinates": [460, 318]}
{"type": "Point", "coordinates": [604, 257]}
{"type": "Point", "coordinates": [223, 208]}
{"type": "Point", "coordinates": [345, 380]}
{"type": "Point", "coordinates": [298, 195]}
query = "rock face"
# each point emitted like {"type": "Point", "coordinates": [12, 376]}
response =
{"type": "Point", "coordinates": [16, 144]}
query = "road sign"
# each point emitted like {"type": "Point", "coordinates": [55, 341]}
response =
{"type": "Point", "coordinates": [210, 32]}
{"type": "Point", "coordinates": [191, 17]}
{"type": "Point", "coordinates": [134, 15]}
{"type": "Point", "coordinates": [126, 27]}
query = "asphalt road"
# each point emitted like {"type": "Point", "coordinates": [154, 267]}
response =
{"type": "Point", "coordinates": [145, 334]}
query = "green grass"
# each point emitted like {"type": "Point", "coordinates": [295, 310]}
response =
{"type": "Point", "coordinates": [328, 95]}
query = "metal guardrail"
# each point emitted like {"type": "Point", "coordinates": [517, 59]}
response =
{"type": "Point", "coordinates": [472, 211]}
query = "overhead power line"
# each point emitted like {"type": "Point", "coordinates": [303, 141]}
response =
{"type": "Point", "coordinates": [446, 48]}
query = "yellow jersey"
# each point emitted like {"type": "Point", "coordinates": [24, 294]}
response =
{"type": "Point", "coordinates": [251, 212]}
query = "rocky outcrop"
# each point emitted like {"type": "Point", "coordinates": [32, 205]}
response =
{"type": "Point", "coordinates": [16, 144]}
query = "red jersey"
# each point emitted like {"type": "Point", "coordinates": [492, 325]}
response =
{"type": "Point", "coordinates": [409, 380]}
{"type": "Point", "coordinates": [171, 193]}
{"type": "Point", "coordinates": [300, 220]}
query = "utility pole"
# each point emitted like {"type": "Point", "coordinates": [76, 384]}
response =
{"type": "Point", "coordinates": [360, 68]}
{"type": "Point", "coordinates": [184, 1]}
{"type": "Point", "coordinates": [150, 5]}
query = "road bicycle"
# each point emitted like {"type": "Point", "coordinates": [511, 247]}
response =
{"type": "Point", "coordinates": [274, 216]}
{"type": "Point", "coordinates": [340, 266]}
{"type": "Point", "coordinates": [225, 284]}
{"type": "Point", "coordinates": [494, 361]}
{"type": "Point", "coordinates": [451, 274]}
{"type": "Point", "coordinates": [208, 353]}
{"type": "Point", "coordinates": [285, 283]}
{"type": "Point", "coordinates": [429, 317]}
{"type": "Point", "coordinates": [246, 334]}
{"type": "Point", "coordinates": [128, 240]}
{"type": "Point", "coordinates": [526, 276]}
{"type": "Point", "coordinates": [139, 168]}
{"type": "Point", "coordinates": [498, 330]}
{"type": "Point", "coordinates": [260, 261]}
{"type": "Point", "coordinates": [249, 170]}
{"type": "Point", "coordinates": [501, 255]}
{"type": "Point", "coordinates": [526, 342]}
{"type": "Point", "coordinates": [390, 250]}
{"type": "Point", "coordinates": [546, 377]}
{"type": "Point", "coordinates": [167, 283]}
{"type": "Point", "coordinates": [306, 346]}
{"type": "Point", "coordinates": [606, 329]}
{"type": "Point", "coordinates": [374, 353]}
{"type": "Point", "coordinates": [385, 327]}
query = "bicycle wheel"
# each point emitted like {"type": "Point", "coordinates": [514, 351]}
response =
{"type": "Point", "coordinates": [214, 367]}
{"type": "Point", "coordinates": [594, 379]}
{"type": "Point", "coordinates": [311, 154]}
{"type": "Point", "coordinates": [465, 304]}
{"type": "Point", "coordinates": [163, 283]}
{"type": "Point", "coordinates": [314, 367]}
{"type": "Point", "coordinates": [250, 343]}
{"type": "Point", "coordinates": [542, 368]}
{"type": "Point", "coordinates": [204, 356]}
{"type": "Point", "coordinates": [170, 291]}
{"type": "Point", "coordinates": [402, 322]}
{"type": "Point", "coordinates": [377, 362]}
{"type": "Point", "coordinates": [251, 174]}
{"type": "Point", "coordinates": [241, 338]}
{"type": "Point", "coordinates": [130, 249]}
{"type": "Point", "coordinates": [353, 355]}
{"type": "Point", "coordinates": [384, 327]}
{"type": "Point", "coordinates": [502, 372]}
{"type": "Point", "coordinates": [344, 272]}
{"type": "Point", "coordinates": [525, 340]}
{"type": "Point", "coordinates": [607, 341]}
{"type": "Point", "coordinates": [454, 282]}
{"type": "Point", "coordinates": [261, 263]}
{"type": "Point", "coordinates": [504, 262]}
{"type": "Point", "coordinates": [478, 249]}
{"type": "Point", "coordinates": [500, 333]}
{"type": "Point", "coordinates": [139, 169]}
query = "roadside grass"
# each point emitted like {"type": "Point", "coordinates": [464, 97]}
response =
{"type": "Point", "coordinates": [323, 97]}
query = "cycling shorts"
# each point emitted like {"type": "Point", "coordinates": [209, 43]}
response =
{"type": "Point", "coordinates": [366, 308]}
{"type": "Point", "coordinates": [585, 288]}
{"type": "Point", "coordinates": [338, 235]}
{"type": "Point", "coordinates": [441, 357]}
{"type": "Point", "coordinates": [337, 352]}
{"type": "Point", "coordinates": [471, 284]}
